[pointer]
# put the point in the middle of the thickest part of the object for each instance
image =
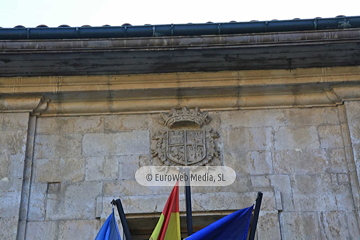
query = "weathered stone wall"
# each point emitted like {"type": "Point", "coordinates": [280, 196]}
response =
{"type": "Point", "coordinates": [304, 160]}
{"type": "Point", "coordinates": [296, 156]}
{"type": "Point", "coordinates": [13, 136]}
{"type": "Point", "coordinates": [77, 162]}
{"type": "Point", "coordinates": [300, 154]}
{"type": "Point", "coordinates": [353, 119]}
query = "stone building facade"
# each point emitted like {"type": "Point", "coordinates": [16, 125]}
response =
{"type": "Point", "coordinates": [71, 142]}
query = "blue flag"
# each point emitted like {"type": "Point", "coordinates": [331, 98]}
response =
{"type": "Point", "coordinates": [109, 230]}
{"type": "Point", "coordinates": [235, 226]}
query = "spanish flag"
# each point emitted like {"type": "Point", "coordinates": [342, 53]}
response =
{"type": "Point", "coordinates": [168, 226]}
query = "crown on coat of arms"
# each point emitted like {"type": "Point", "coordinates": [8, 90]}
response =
{"type": "Point", "coordinates": [185, 115]}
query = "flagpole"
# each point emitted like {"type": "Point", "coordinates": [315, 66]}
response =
{"type": "Point", "coordinates": [124, 223]}
{"type": "Point", "coordinates": [256, 216]}
{"type": "Point", "coordinates": [189, 222]}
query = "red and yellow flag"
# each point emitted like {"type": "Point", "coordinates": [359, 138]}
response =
{"type": "Point", "coordinates": [168, 226]}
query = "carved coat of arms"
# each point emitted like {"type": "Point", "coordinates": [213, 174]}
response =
{"type": "Point", "coordinates": [176, 145]}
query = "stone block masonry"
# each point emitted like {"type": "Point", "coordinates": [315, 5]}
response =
{"type": "Point", "coordinates": [13, 137]}
{"type": "Point", "coordinates": [298, 157]}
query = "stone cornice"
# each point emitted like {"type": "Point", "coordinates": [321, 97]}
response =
{"type": "Point", "coordinates": [112, 94]}
{"type": "Point", "coordinates": [34, 105]}
{"type": "Point", "coordinates": [187, 80]}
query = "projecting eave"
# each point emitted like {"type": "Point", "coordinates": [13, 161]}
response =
{"type": "Point", "coordinates": [283, 50]}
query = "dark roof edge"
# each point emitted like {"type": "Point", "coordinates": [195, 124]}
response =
{"type": "Point", "coordinates": [129, 31]}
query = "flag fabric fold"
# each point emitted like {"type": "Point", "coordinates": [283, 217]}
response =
{"type": "Point", "coordinates": [235, 226]}
{"type": "Point", "coordinates": [109, 230]}
{"type": "Point", "coordinates": [168, 226]}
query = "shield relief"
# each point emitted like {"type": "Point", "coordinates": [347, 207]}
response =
{"type": "Point", "coordinates": [179, 145]}
{"type": "Point", "coordinates": [186, 147]}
